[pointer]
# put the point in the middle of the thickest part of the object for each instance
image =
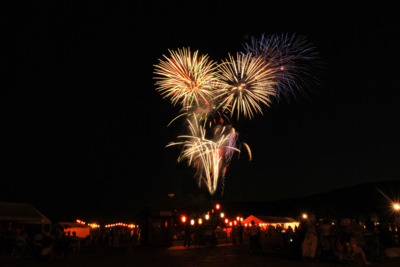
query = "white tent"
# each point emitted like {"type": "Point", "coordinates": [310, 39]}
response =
{"type": "Point", "coordinates": [23, 213]}
{"type": "Point", "coordinates": [265, 221]}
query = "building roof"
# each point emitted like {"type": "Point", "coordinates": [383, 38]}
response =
{"type": "Point", "coordinates": [72, 225]}
{"type": "Point", "coordinates": [268, 219]}
{"type": "Point", "coordinates": [21, 213]}
{"type": "Point", "coordinates": [273, 219]}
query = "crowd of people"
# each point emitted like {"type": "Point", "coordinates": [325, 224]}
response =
{"type": "Point", "coordinates": [346, 241]}
{"type": "Point", "coordinates": [349, 241]}
{"type": "Point", "coordinates": [59, 243]}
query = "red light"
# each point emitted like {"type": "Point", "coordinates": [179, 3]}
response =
{"type": "Point", "coordinates": [183, 218]}
{"type": "Point", "coordinates": [217, 206]}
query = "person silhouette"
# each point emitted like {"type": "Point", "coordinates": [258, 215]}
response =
{"type": "Point", "coordinates": [187, 235]}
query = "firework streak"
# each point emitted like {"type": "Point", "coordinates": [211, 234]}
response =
{"type": "Point", "coordinates": [209, 157]}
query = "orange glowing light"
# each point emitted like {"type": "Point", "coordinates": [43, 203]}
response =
{"type": "Point", "coordinates": [94, 225]}
{"type": "Point", "coordinates": [396, 206]}
{"type": "Point", "coordinates": [183, 218]}
{"type": "Point", "coordinates": [226, 220]}
{"type": "Point", "coordinates": [217, 206]}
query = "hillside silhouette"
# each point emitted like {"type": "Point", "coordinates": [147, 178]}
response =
{"type": "Point", "coordinates": [360, 201]}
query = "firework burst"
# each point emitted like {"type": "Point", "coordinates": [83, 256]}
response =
{"type": "Point", "coordinates": [293, 58]}
{"type": "Point", "coordinates": [247, 83]}
{"type": "Point", "coordinates": [187, 79]}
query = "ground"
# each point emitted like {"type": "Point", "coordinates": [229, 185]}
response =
{"type": "Point", "coordinates": [177, 255]}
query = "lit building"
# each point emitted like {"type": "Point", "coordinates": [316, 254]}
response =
{"type": "Point", "coordinates": [266, 221]}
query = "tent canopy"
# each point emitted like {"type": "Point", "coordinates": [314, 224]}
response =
{"type": "Point", "coordinates": [269, 220]}
{"type": "Point", "coordinates": [21, 213]}
{"type": "Point", "coordinates": [72, 224]}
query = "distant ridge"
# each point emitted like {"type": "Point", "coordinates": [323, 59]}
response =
{"type": "Point", "coordinates": [357, 201]}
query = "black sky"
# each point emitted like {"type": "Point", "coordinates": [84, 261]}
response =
{"type": "Point", "coordinates": [84, 131]}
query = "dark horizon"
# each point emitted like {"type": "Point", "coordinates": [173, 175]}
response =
{"type": "Point", "coordinates": [84, 131]}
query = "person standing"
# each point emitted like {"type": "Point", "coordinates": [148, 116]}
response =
{"type": "Point", "coordinates": [310, 242]}
{"type": "Point", "coordinates": [240, 233]}
{"type": "Point", "coordinates": [187, 235]}
{"type": "Point", "coordinates": [233, 234]}
{"type": "Point", "coordinates": [255, 232]}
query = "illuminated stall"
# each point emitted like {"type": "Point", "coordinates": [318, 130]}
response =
{"type": "Point", "coordinates": [157, 226]}
{"type": "Point", "coordinates": [267, 221]}
{"type": "Point", "coordinates": [81, 229]}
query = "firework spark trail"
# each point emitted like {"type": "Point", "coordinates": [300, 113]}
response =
{"type": "Point", "coordinates": [248, 150]}
{"type": "Point", "coordinates": [185, 78]}
{"type": "Point", "coordinates": [246, 82]}
{"type": "Point", "coordinates": [294, 59]}
{"type": "Point", "coordinates": [206, 155]}
{"type": "Point", "coordinates": [208, 113]}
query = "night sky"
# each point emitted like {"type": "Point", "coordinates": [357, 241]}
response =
{"type": "Point", "coordinates": [84, 131]}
